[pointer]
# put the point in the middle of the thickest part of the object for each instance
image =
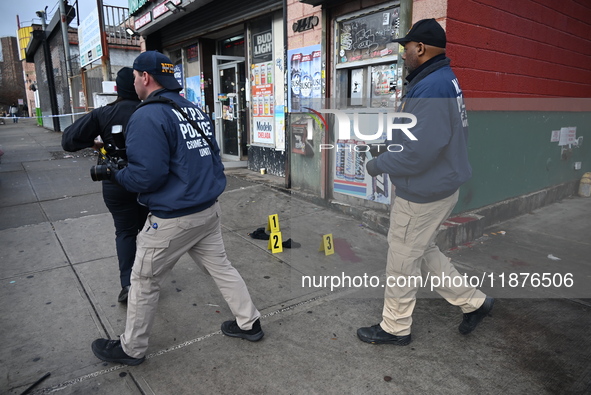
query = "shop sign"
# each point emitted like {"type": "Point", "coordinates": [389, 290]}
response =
{"type": "Point", "coordinates": [305, 24]}
{"type": "Point", "coordinates": [193, 53]}
{"type": "Point", "coordinates": [262, 50]}
{"type": "Point", "coordinates": [161, 8]}
{"type": "Point", "coordinates": [263, 130]}
{"type": "Point", "coordinates": [143, 20]}
{"type": "Point", "coordinates": [135, 5]}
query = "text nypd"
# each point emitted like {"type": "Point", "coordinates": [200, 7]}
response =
{"type": "Point", "coordinates": [191, 136]}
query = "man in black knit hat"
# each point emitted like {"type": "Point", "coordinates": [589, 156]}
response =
{"type": "Point", "coordinates": [128, 215]}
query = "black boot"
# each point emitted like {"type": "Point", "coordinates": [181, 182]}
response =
{"type": "Point", "coordinates": [471, 320]}
{"type": "Point", "coordinates": [376, 335]}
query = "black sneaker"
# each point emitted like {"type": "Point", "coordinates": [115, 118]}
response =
{"type": "Point", "coordinates": [111, 351]}
{"type": "Point", "coordinates": [122, 298]}
{"type": "Point", "coordinates": [376, 335]}
{"type": "Point", "coordinates": [471, 320]}
{"type": "Point", "coordinates": [231, 328]}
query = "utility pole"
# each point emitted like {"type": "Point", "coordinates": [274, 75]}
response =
{"type": "Point", "coordinates": [64, 23]}
{"type": "Point", "coordinates": [69, 71]}
{"type": "Point", "coordinates": [49, 72]}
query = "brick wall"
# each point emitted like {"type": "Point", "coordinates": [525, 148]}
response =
{"type": "Point", "coordinates": [423, 9]}
{"type": "Point", "coordinates": [12, 85]}
{"type": "Point", "coordinates": [508, 48]}
{"type": "Point", "coordinates": [295, 12]}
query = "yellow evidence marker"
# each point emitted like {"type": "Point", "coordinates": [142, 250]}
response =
{"type": "Point", "coordinates": [275, 243]}
{"type": "Point", "coordinates": [327, 244]}
{"type": "Point", "coordinates": [273, 223]}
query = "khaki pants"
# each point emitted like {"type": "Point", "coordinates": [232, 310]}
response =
{"type": "Point", "coordinates": [412, 252]}
{"type": "Point", "coordinates": [158, 250]}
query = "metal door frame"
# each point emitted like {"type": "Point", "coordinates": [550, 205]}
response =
{"type": "Point", "coordinates": [234, 62]}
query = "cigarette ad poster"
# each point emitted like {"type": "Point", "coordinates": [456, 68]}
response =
{"type": "Point", "coordinates": [305, 78]}
{"type": "Point", "coordinates": [350, 176]}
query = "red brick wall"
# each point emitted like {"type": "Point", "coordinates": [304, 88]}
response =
{"type": "Point", "coordinates": [523, 48]}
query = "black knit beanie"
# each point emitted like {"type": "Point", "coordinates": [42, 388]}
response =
{"type": "Point", "coordinates": [125, 88]}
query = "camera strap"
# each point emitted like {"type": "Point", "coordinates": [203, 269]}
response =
{"type": "Point", "coordinates": [161, 99]}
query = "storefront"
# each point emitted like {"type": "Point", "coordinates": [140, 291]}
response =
{"type": "Point", "coordinates": [368, 85]}
{"type": "Point", "coordinates": [341, 91]}
{"type": "Point", "coordinates": [229, 59]}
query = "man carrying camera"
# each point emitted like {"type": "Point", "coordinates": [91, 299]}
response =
{"type": "Point", "coordinates": [109, 122]}
{"type": "Point", "coordinates": [174, 163]}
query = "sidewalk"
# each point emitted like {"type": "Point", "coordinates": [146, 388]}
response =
{"type": "Point", "coordinates": [59, 284]}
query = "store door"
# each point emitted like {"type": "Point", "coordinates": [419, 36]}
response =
{"type": "Point", "coordinates": [230, 107]}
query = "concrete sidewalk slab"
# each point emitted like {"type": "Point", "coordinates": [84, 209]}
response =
{"type": "Point", "coordinates": [29, 249]}
{"type": "Point", "coordinates": [15, 189]}
{"type": "Point", "coordinates": [45, 326]}
{"type": "Point", "coordinates": [87, 239]}
{"type": "Point", "coordinates": [69, 207]}
{"type": "Point", "coordinates": [73, 178]}
{"type": "Point", "coordinates": [21, 215]}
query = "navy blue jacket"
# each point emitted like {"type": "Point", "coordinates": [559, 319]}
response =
{"type": "Point", "coordinates": [171, 166]}
{"type": "Point", "coordinates": [435, 165]}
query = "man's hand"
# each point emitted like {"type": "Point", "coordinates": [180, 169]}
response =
{"type": "Point", "coordinates": [112, 170]}
{"type": "Point", "coordinates": [377, 149]}
{"type": "Point", "coordinates": [372, 168]}
{"type": "Point", "coordinates": [98, 145]}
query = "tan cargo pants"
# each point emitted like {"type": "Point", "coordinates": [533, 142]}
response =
{"type": "Point", "coordinates": [412, 252]}
{"type": "Point", "coordinates": [158, 250]}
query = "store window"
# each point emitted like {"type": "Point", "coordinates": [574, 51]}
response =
{"type": "Point", "coordinates": [368, 74]}
{"type": "Point", "coordinates": [233, 46]}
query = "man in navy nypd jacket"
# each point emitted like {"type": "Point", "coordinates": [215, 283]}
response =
{"type": "Point", "coordinates": [427, 174]}
{"type": "Point", "coordinates": [174, 164]}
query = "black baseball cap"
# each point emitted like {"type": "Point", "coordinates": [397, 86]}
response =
{"type": "Point", "coordinates": [426, 31]}
{"type": "Point", "coordinates": [160, 67]}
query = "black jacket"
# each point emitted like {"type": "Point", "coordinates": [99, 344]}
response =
{"type": "Point", "coordinates": [82, 133]}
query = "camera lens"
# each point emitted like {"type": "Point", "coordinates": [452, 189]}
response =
{"type": "Point", "coordinates": [99, 172]}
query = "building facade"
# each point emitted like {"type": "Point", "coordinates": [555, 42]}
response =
{"type": "Point", "coordinates": [12, 87]}
{"type": "Point", "coordinates": [267, 73]}
{"type": "Point", "coordinates": [229, 57]}
{"type": "Point", "coordinates": [64, 87]}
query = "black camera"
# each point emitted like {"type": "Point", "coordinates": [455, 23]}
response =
{"type": "Point", "coordinates": [103, 170]}
{"type": "Point", "coordinates": [112, 156]}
